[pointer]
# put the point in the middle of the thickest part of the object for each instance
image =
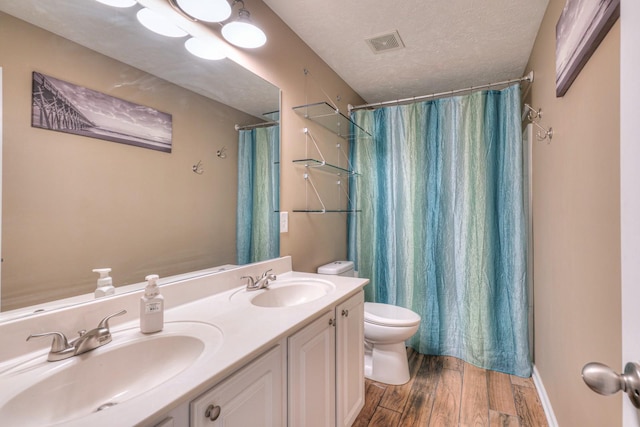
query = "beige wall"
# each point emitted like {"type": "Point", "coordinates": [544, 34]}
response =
{"type": "Point", "coordinates": [72, 203]}
{"type": "Point", "coordinates": [312, 240]}
{"type": "Point", "coordinates": [577, 227]}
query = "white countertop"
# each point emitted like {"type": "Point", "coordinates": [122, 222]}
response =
{"type": "Point", "coordinates": [247, 331]}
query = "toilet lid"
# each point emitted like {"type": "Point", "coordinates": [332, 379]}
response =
{"type": "Point", "coordinates": [389, 315]}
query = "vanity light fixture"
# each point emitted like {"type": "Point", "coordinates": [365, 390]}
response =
{"type": "Point", "coordinates": [204, 10]}
{"type": "Point", "coordinates": [118, 3]}
{"type": "Point", "coordinates": [242, 32]}
{"type": "Point", "coordinates": [206, 48]}
{"type": "Point", "coordinates": [159, 23]}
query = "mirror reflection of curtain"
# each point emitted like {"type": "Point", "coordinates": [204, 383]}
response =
{"type": "Point", "coordinates": [258, 225]}
{"type": "Point", "coordinates": [442, 228]}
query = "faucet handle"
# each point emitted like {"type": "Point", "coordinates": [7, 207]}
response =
{"type": "Point", "coordinates": [268, 276]}
{"type": "Point", "coordinates": [104, 323]}
{"type": "Point", "coordinates": [59, 343]}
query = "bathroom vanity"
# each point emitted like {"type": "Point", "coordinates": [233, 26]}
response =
{"type": "Point", "coordinates": [291, 354]}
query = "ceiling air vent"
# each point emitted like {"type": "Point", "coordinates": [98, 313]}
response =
{"type": "Point", "coordinates": [385, 42]}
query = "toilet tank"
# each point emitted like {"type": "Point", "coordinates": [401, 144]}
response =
{"type": "Point", "coordinates": [339, 268]}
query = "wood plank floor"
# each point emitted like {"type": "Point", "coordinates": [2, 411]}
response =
{"type": "Point", "coordinates": [445, 391]}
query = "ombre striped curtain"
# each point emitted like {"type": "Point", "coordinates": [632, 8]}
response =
{"type": "Point", "coordinates": [257, 227]}
{"type": "Point", "coordinates": [443, 228]}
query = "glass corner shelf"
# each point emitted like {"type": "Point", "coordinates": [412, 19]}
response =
{"type": "Point", "coordinates": [328, 117]}
{"type": "Point", "coordinates": [325, 167]}
{"type": "Point", "coordinates": [321, 211]}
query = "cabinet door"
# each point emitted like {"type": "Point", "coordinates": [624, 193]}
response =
{"type": "Point", "coordinates": [254, 396]}
{"type": "Point", "coordinates": [349, 359]}
{"type": "Point", "coordinates": [312, 374]}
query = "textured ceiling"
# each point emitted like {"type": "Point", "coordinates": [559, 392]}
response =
{"type": "Point", "coordinates": [450, 44]}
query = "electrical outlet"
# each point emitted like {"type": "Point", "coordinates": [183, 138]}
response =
{"type": "Point", "coordinates": [284, 222]}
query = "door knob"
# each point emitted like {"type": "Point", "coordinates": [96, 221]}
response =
{"type": "Point", "coordinates": [604, 380]}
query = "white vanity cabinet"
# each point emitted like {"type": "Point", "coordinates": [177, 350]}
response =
{"type": "Point", "coordinates": [326, 368]}
{"type": "Point", "coordinates": [253, 396]}
{"type": "Point", "coordinates": [315, 377]}
{"type": "Point", "coordinates": [312, 374]}
{"type": "Point", "coordinates": [349, 360]}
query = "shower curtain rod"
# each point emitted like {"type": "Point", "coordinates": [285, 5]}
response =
{"type": "Point", "coordinates": [527, 78]}
{"type": "Point", "coordinates": [257, 125]}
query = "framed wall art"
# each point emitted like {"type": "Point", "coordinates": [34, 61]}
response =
{"type": "Point", "coordinates": [65, 107]}
{"type": "Point", "coordinates": [581, 27]}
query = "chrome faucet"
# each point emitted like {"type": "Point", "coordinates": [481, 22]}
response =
{"type": "Point", "coordinates": [259, 282]}
{"type": "Point", "coordinates": [62, 349]}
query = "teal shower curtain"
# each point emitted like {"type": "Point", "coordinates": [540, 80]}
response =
{"type": "Point", "coordinates": [258, 225]}
{"type": "Point", "coordinates": [442, 228]}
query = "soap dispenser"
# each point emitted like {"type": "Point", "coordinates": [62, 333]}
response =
{"type": "Point", "coordinates": [151, 307]}
{"type": "Point", "coordinates": [104, 286]}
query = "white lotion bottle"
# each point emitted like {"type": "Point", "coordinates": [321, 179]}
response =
{"type": "Point", "coordinates": [151, 307]}
{"type": "Point", "coordinates": [104, 287]}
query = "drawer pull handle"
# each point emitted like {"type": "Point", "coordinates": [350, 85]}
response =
{"type": "Point", "coordinates": [212, 412]}
{"type": "Point", "coordinates": [332, 322]}
{"type": "Point", "coordinates": [345, 313]}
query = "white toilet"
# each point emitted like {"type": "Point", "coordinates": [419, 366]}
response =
{"type": "Point", "coordinates": [386, 328]}
{"type": "Point", "coordinates": [340, 268]}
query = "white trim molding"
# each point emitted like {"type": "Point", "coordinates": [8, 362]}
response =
{"type": "Point", "coordinates": [629, 197]}
{"type": "Point", "coordinates": [544, 398]}
{"type": "Point", "coordinates": [1, 149]}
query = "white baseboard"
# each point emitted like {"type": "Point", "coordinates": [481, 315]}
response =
{"type": "Point", "coordinates": [544, 398]}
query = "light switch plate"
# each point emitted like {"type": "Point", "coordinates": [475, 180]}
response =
{"type": "Point", "coordinates": [284, 222]}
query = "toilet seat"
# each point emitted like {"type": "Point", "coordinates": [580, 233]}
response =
{"type": "Point", "coordinates": [389, 315]}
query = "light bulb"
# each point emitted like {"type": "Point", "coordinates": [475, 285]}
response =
{"type": "Point", "coordinates": [244, 34]}
{"type": "Point", "coordinates": [205, 48]}
{"type": "Point", "coordinates": [118, 3]}
{"type": "Point", "coordinates": [159, 23]}
{"type": "Point", "coordinates": [206, 10]}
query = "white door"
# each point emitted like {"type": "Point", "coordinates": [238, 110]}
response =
{"type": "Point", "coordinates": [630, 190]}
{"type": "Point", "coordinates": [1, 132]}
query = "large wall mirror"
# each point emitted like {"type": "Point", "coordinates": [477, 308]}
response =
{"type": "Point", "coordinates": [71, 203]}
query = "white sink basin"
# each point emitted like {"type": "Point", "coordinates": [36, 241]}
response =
{"type": "Point", "coordinates": [42, 393]}
{"type": "Point", "coordinates": [286, 293]}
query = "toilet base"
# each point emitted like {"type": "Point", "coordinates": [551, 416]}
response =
{"type": "Point", "coordinates": [386, 363]}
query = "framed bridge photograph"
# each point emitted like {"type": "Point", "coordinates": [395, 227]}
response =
{"type": "Point", "coordinates": [64, 107]}
{"type": "Point", "coordinates": [583, 24]}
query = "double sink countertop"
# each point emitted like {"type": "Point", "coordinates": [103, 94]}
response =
{"type": "Point", "coordinates": [241, 331]}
